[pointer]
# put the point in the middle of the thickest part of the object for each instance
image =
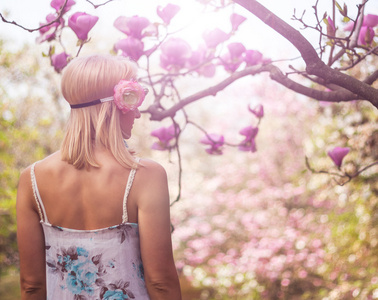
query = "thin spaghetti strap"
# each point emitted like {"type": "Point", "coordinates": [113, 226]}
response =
{"type": "Point", "coordinates": [37, 197]}
{"type": "Point", "coordinates": [125, 217]}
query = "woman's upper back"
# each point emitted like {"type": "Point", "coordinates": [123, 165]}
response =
{"type": "Point", "coordinates": [85, 199]}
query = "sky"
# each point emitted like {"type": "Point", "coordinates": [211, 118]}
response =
{"type": "Point", "coordinates": [253, 32]}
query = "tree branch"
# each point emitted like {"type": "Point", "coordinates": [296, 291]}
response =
{"type": "Point", "coordinates": [157, 114]}
{"type": "Point", "coordinates": [371, 78]}
{"type": "Point", "coordinates": [340, 95]}
{"type": "Point", "coordinates": [98, 5]}
{"type": "Point", "coordinates": [314, 65]}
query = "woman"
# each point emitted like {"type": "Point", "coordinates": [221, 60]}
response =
{"type": "Point", "coordinates": [91, 213]}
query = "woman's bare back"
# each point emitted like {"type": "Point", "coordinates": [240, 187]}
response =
{"type": "Point", "coordinates": [84, 199]}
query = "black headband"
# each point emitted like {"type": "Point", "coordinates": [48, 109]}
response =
{"type": "Point", "coordinates": [95, 102]}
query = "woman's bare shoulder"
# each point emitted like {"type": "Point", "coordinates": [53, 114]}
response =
{"type": "Point", "coordinates": [42, 164]}
{"type": "Point", "coordinates": [150, 178]}
{"type": "Point", "coordinates": [151, 164]}
{"type": "Point", "coordinates": [51, 164]}
{"type": "Point", "coordinates": [151, 169]}
{"type": "Point", "coordinates": [54, 158]}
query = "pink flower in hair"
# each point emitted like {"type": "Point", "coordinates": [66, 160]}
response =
{"type": "Point", "coordinates": [128, 95]}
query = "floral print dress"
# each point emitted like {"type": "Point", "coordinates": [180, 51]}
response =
{"type": "Point", "coordinates": [100, 264]}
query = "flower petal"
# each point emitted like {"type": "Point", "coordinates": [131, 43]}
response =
{"type": "Point", "coordinates": [81, 23]}
{"type": "Point", "coordinates": [168, 12]}
{"type": "Point", "coordinates": [236, 20]}
{"type": "Point", "coordinates": [59, 61]}
{"type": "Point", "coordinates": [337, 154]}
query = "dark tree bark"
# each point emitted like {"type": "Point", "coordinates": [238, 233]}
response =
{"type": "Point", "coordinates": [350, 87]}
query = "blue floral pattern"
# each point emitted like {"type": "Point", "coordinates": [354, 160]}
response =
{"type": "Point", "coordinates": [100, 264]}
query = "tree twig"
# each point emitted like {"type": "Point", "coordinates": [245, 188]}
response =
{"type": "Point", "coordinates": [60, 14]}
{"type": "Point", "coordinates": [98, 5]}
{"type": "Point", "coordinates": [342, 175]}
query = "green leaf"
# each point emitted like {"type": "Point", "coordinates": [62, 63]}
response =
{"type": "Point", "coordinates": [339, 7]}
{"type": "Point", "coordinates": [330, 43]}
{"type": "Point", "coordinates": [346, 20]}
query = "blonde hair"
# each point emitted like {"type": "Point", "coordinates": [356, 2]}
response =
{"type": "Point", "coordinates": [86, 79]}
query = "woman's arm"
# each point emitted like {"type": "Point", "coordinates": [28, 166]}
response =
{"type": "Point", "coordinates": [155, 233]}
{"type": "Point", "coordinates": [31, 245]}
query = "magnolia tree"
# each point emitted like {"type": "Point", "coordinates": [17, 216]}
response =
{"type": "Point", "coordinates": [346, 43]}
{"type": "Point", "coordinates": [264, 229]}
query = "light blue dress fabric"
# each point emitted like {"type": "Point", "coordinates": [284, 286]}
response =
{"type": "Point", "coordinates": [100, 264]}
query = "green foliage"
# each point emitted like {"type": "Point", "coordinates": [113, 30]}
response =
{"type": "Point", "coordinates": [352, 248]}
{"type": "Point", "coordinates": [25, 136]}
{"type": "Point", "coordinates": [10, 287]}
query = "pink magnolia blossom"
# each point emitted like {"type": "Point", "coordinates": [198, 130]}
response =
{"type": "Point", "coordinates": [197, 57]}
{"type": "Point", "coordinates": [207, 70]}
{"type": "Point", "coordinates": [349, 26]}
{"type": "Point", "coordinates": [175, 53]}
{"type": "Point", "coordinates": [236, 20]}
{"type": "Point", "coordinates": [168, 12]}
{"type": "Point", "coordinates": [81, 23]}
{"type": "Point", "coordinates": [249, 143]}
{"type": "Point", "coordinates": [201, 61]}
{"type": "Point", "coordinates": [59, 61]}
{"type": "Point", "coordinates": [215, 141]}
{"type": "Point", "coordinates": [258, 111]}
{"type": "Point", "coordinates": [331, 29]}
{"type": "Point", "coordinates": [57, 5]}
{"type": "Point", "coordinates": [252, 57]}
{"type": "Point", "coordinates": [165, 136]}
{"type": "Point", "coordinates": [48, 32]}
{"type": "Point", "coordinates": [234, 58]}
{"type": "Point", "coordinates": [367, 33]}
{"type": "Point", "coordinates": [370, 20]}
{"type": "Point", "coordinates": [50, 18]}
{"type": "Point", "coordinates": [132, 26]}
{"type": "Point", "coordinates": [131, 47]}
{"type": "Point", "coordinates": [214, 37]}
{"type": "Point", "coordinates": [337, 154]}
{"type": "Point", "coordinates": [236, 49]}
